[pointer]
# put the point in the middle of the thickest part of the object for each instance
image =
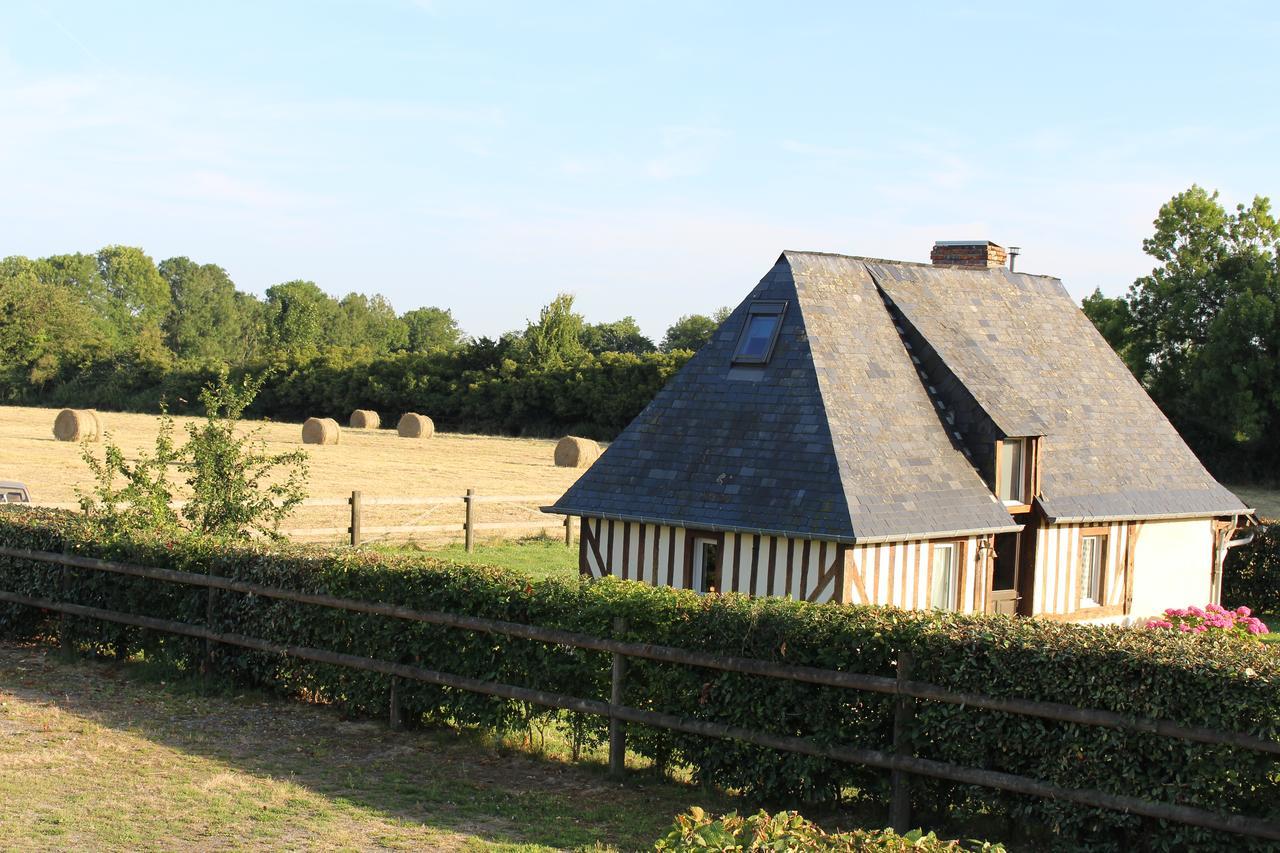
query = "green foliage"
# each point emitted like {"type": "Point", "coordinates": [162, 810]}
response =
{"type": "Point", "coordinates": [619, 336]}
{"type": "Point", "coordinates": [141, 502]}
{"type": "Point", "coordinates": [210, 321]}
{"type": "Point", "coordinates": [1199, 681]}
{"type": "Point", "coordinates": [557, 336]}
{"type": "Point", "coordinates": [234, 487]}
{"type": "Point", "coordinates": [1251, 574]}
{"type": "Point", "coordinates": [789, 832]}
{"type": "Point", "coordinates": [1202, 331]}
{"type": "Point", "coordinates": [431, 329]}
{"type": "Point", "coordinates": [691, 331]}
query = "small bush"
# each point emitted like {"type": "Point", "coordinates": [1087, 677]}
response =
{"type": "Point", "coordinates": [1251, 574]}
{"type": "Point", "coordinates": [696, 830]}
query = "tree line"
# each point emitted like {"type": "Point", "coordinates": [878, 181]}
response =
{"type": "Point", "coordinates": [116, 330]}
{"type": "Point", "coordinates": [1201, 332]}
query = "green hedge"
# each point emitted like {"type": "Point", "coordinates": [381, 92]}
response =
{"type": "Point", "coordinates": [1194, 680]}
{"type": "Point", "coordinates": [595, 396]}
{"type": "Point", "coordinates": [1251, 574]}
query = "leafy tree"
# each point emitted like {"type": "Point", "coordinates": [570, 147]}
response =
{"type": "Point", "coordinates": [144, 498]}
{"type": "Point", "coordinates": [370, 323]}
{"type": "Point", "coordinates": [207, 319]}
{"type": "Point", "coordinates": [43, 326]}
{"type": "Point", "coordinates": [1114, 320]}
{"type": "Point", "coordinates": [691, 331]}
{"type": "Point", "coordinates": [431, 329]}
{"type": "Point", "coordinates": [139, 298]}
{"type": "Point", "coordinates": [557, 336]}
{"type": "Point", "coordinates": [619, 336]}
{"type": "Point", "coordinates": [299, 317]}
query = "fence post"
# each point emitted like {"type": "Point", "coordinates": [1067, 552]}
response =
{"type": "Point", "coordinates": [903, 712]}
{"type": "Point", "coordinates": [470, 524]}
{"type": "Point", "coordinates": [395, 720]}
{"type": "Point", "coordinates": [568, 531]}
{"type": "Point", "coordinates": [354, 500]}
{"type": "Point", "coordinates": [617, 728]}
{"type": "Point", "coordinates": [208, 621]}
{"type": "Point", "coordinates": [64, 629]}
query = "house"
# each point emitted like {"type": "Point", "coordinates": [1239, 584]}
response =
{"type": "Point", "coordinates": [951, 435]}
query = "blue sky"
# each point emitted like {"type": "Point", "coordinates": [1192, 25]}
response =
{"type": "Point", "coordinates": [652, 159]}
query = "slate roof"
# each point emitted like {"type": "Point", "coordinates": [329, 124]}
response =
{"type": "Point", "coordinates": [839, 437]}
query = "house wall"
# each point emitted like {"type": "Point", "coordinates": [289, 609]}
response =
{"type": "Point", "coordinates": [802, 569]}
{"type": "Point", "coordinates": [657, 555]}
{"type": "Point", "coordinates": [1173, 565]}
{"type": "Point", "coordinates": [1153, 564]}
{"type": "Point", "coordinates": [898, 574]}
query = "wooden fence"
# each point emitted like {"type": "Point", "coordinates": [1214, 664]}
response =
{"type": "Point", "coordinates": [899, 759]}
{"type": "Point", "coordinates": [358, 532]}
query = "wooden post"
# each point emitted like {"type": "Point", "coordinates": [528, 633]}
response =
{"type": "Point", "coordinates": [64, 630]}
{"type": "Point", "coordinates": [395, 720]}
{"type": "Point", "coordinates": [568, 531]}
{"type": "Point", "coordinates": [209, 623]}
{"type": "Point", "coordinates": [617, 728]}
{"type": "Point", "coordinates": [469, 525]}
{"type": "Point", "coordinates": [354, 500]}
{"type": "Point", "coordinates": [903, 712]}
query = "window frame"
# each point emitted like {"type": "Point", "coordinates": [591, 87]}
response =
{"type": "Point", "coordinates": [1027, 480]}
{"type": "Point", "coordinates": [1103, 537]}
{"type": "Point", "coordinates": [957, 570]}
{"type": "Point", "coordinates": [762, 308]}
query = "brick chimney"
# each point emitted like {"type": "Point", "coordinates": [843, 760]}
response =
{"type": "Point", "coordinates": [967, 253]}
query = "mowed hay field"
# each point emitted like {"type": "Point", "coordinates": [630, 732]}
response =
{"type": "Point", "coordinates": [378, 463]}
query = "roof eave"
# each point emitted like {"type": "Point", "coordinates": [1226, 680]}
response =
{"type": "Point", "coordinates": [1167, 516]}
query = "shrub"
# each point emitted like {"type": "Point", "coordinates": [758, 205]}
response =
{"type": "Point", "coordinates": [1251, 574]}
{"type": "Point", "coordinates": [1201, 680]}
{"type": "Point", "coordinates": [696, 830]}
{"type": "Point", "coordinates": [1212, 618]}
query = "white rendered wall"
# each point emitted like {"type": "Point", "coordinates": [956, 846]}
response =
{"type": "Point", "coordinates": [1172, 563]}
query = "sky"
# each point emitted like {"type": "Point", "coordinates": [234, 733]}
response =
{"type": "Point", "coordinates": [652, 159]}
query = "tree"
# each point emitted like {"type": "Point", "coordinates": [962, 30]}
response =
{"type": "Point", "coordinates": [619, 336]}
{"type": "Point", "coordinates": [369, 323]}
{"type": "Point", "coordinates": [207, 320]}
{"type": "Point", "coordinates": [557, 336]}
{"type": "Point", "coordinates": [299, 317]}
{"type": "Point", "coordinates": [43, 325]}
{"type": "Point", "coordinates": [691, 331]}
{"type": "Point", "coordinates": [431, 329]}
{"type": "Point", "coordinates": [1201, 330]}
{"type": "Point", "coordinates": [138, 296]}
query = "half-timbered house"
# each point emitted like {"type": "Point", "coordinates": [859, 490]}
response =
{"type": "Point", "coordinates": [950, 435]}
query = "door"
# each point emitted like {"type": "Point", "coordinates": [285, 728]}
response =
{"type": "Point", "coordinates": [706, 564]}
{"type": "Point", "coordinates": [1002, 595]}
{"type": "Point", "coordinates": [1027, 564]}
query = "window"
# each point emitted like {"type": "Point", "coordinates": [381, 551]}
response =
{"type": "Point", "coordinates": [1093, 551]}
{"type": "Point", "coordinates": [1011, 471]}
{"type": "Point", "coordinates": [945, 569]}
{"type": "Point", "coordinates": [755, 344]}
{"type": "Point", "coordinates": [706, 565]}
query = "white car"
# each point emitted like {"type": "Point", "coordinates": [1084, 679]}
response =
{"type": "Point", "coordinates": [12, 492]}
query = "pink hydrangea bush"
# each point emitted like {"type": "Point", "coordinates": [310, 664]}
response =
{"type": "Point", "coordinates": [1213, 617]}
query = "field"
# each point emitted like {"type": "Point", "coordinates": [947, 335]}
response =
{"type": "Point", "coordinates": [376, 462]}
{"type": "Point", "coordinates": [113, 756]}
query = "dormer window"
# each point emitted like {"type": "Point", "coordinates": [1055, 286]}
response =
{"type": "Point", "coordinates": [759, 333]}
{"type": "Point", "coordinates": [1014, 460]}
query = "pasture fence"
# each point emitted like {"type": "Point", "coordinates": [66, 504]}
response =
{"type": "Point", "coordinates": [899, 758]}
{"type": "Point", "coordinates": [357, 532]}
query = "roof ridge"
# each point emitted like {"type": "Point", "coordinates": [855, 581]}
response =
{"type": "Point", "coordinates": [870, 260]}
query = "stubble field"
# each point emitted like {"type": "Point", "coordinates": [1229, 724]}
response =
{"type": "Point", "coordinates": [376, 462]}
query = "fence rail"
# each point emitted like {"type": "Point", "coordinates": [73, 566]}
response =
{"type": "Point", "coordinates": [899, 760]}
{"type": "Point", "coordinates": [356, 530]}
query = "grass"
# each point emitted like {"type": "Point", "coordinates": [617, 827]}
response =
{"type": "Point", "coordinates": [537, 557]}
{"type": "Point", "coordinates": [377, 462]}
{"type": "Point", "coordinates": [115, 756]}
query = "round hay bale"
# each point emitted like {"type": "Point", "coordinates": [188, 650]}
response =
{"type": "Point", "coordinates": [77, 425]}
{"type": "Point", "coordinates": [413, 425]}
{"type": "Point", "coordinates": [574, 452]}
{"type": "Point", "coordinates": [365, 419]}
{"type": "Point", "coordinates": [320, 431]}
